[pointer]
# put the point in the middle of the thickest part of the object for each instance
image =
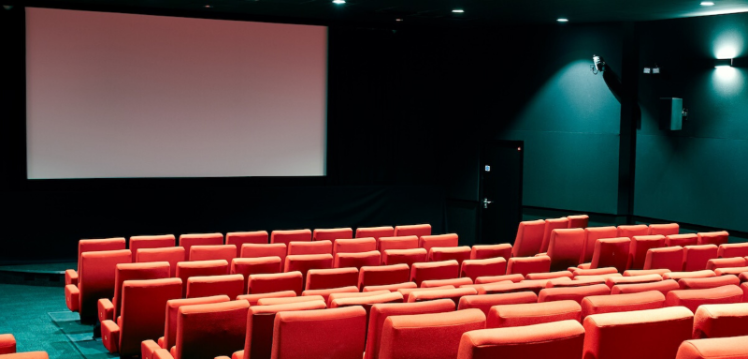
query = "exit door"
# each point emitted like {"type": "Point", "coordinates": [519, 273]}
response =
{"type": "Point", "coordinates": [500, 201]}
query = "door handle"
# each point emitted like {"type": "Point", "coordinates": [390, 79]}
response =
{"type": "Point", "coordinates": [486, 202]}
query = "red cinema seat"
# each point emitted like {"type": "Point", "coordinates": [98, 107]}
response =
{"type": "Point", "coordinates": [650, 278]}
{"type": "Point", "coordinates": [486, 251]}
{"type": "Point", "coordinates": [383, 275]}
{"type": "Point", "coordinates": [380, 312]}
{"type": "Point", "coordinates": [515, 278]}
{"type": "Point", "coordinates": [551, 225]}
{"type": "Point", "coordinates": [240, 238]}
{"type": "Point", "coordinates": [434, 270]}
{"type": "Point", "coordinates": [304, 262]}
{"type": "Point", "coordinates": [335, 296]}
{"type": "Point", "coordinates": [566, 282]}
{"type": "Point", "coordinates": [375, 232]}
{"type": "Point", "coordinates": [318, 247]}
{"type": "Point", "coordinates": [93, 245]}
{"type": "Point", "coordinates": [717, 263]}
{"type": "Point", "coordinates": [405, 242]}
{"type": "Point", "coordinates": [210, 330]}
{"type": "Point", "coordinates": [594, 272]}
{"type": "Point", "coordinates": [484, 302]}
{"type": "Point", "coordinates": [357, 260]}
{"type": "Point", "coordinates": [688, 239]}
{"type": "Point", "coordinates": [696, 258]}
{"type": "Point", "coordinates": [578, 221]}
{"type": "Point", "coordinates": [640, 245]}
{"type": "Point", "coordinates": [611, 253]}
{"type": "Point", "coordinates": [529, 265]}
{"type": "Point", "coordinates": [714, 348]}
{"type": "Point", "coordinates": [720, 321]}
{"type": "Point", "coordinates": [643, 334]}
{"type": "Point", "coordinates": [731, 271]}
{"type": "Point", "coordinates": [664, 229]}
{"type": "Point", "coordinates": [435, 294]}
{"type": "Point", "coordinates": [213, 252]}
{"type": "Point", "coordinates": [250, 250]}
{"type": "Point", "coordinates": [366, 301]}
{"type": "Point", "coordinates": [185, 270]}
{"type": "Point", "coordinates": [157, 241]}
{"type": "Point", "coordinates": [693, 298]}
{"type": "Point", "coordinates": [407, 292]}
{"type": "Point", "coordinates": [280, 282]}
{"type": "Point", "coordinates": [288, 236]}
{"type": "Point", "coordinates": [96, 278]}
{"type": "Point", "coordinates": [441, 240]}
{"type": "Point", "coordinates": [710, 282]}
{"type": "Point", "coordinates": [171, 255]}
{"type": "Point", "coordinates": [7, 344]}
{"type": "Point", "coordinates": [404, 256]}
{"type": "Point", "coordinates": [455, 282]}
{"type": "Point", "coordinates": [110, 309]}
{"type": "Point", "coordinates": [253, 299]}
{"type": "Point", "coordinates": [509, 287]}
{"type": "Point", "coordinates": [354, 245]}
{"type": "Point", "coordinates": [332, 234]}
{"type": "Point", "coordinates": [412, 336]}
{"type": "Point", "coordinates": [149, 347]}
{"type": "Point", "coordinates": [633, 230]}
{"type": "Point", "coordinates": [561, 340]}
{"type": "Point", "coordinates": [290, 300]}
{"type": "Point", "coordinates": [529, 238]}
{"type": "Point", "coordinates": [576, 294]}
{"type": "Point", "coordinates": [664, 287]}
{"type": "Point", "coordinates": [600, 304]}
{"type": "Point", "coordinates": [474, 268]}
{"type": "Point", "coordinates": [389, 287]}
{"type": "Point", "coordinates": [566, 247]}
{"type": "Point", "coordinates": [593, 234]}
{"type": "Point", "coordinates": [641, 272]}
{"type": "Point", "coordinates": [325, 333]}
{"type": "Point", "coordinates": [733, 250]}
{"type": "Point", "coordinates": [716, 238]}
{"type": "Point", "coordinates": [249, 266]}
{"type": "Point", "coordinates": [142, 317]}
{"type": "Point", "coordinates": [199, 239]}
{"type": "Point", "coordinates": [331, 278]}
{"type": "Point", "coordinates": [231, 285]}
{"type": "Point", "coordinates": [413, 230]}
{"type": "Point", "coordinates": [460, 254]}
{"type": "Point", "coordinates": [665, 258]}
{"type": "Point", "coordinates": [258, 342]}
{"type": "Point", "coordinates": [326, 293]}
{"type": "Point", "coordinates": [518, 315]}
{"type": "Point", "coordinates": [680, 275]}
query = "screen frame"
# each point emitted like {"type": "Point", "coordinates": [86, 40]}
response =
{"type": "Point", "coordinates": [17, 136]}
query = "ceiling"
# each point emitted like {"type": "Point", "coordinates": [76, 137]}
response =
{"type": "Point", "coordinates": [414, 12]}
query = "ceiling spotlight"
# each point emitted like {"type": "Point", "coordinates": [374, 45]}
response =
{"type": "Point", "coordinates": [208, 6]}
{"type": "Point", "coordinates": [707, 3]}
{"type": "Point", "coordinates": [562, 19]}
{"type": "Point", "coordinates": [338, 2]}
{"type": "Point", "coordinates": [399, 19]}
{"type": "Point", "coordinates": [458, 11]}
{"type": "Point", "coordinates": [598, 64]}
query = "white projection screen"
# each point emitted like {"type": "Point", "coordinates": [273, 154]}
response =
{"type": "Point", "coordinates": [113, 95]}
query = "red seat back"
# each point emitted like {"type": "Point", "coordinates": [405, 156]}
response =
{"type": "Point", "coordinates": [223, 336]}
{"type": "Point", "coordinates": [171, 255]}
{"type": "Point", "coordinates": [611, 252]}
{"type": "Point", "coordinates": [441, 240]}
{"type": "Point", "coordinates": [260, 322]}
{"type": "Point", "coordinates": [529, 238]}
{"type": "Point", "coordinates": [383, 275]}
{"type": "Point", "coordinates": [136, 271]}
{"type": "Point", "coordinates": [231, 285]}
{"type": "Point", "coordinates": [199, 239]}
{"type": "Point", "coordinates": [240, 238]}
{"type": "Point", "coordinates": [664, 229]}
{"type": "Point", "coordinates": [157, 241]}
{"type": "Point", "coordinates": [288, 236]}
{"type": "Point", "coordinates": [249, 266]}
{"type": "Point", "coordinates": [413, 230]}
{"type": "Point", "coordinates": [185, 270]}
{"type": "Point", "coordinates": [144, 311]}
{"type": "Point", "coordinates": [318, 247]}
{"type": "Point", "coordinates": [332, 234]}
{"type": "Point", "coordinates": [550, 225]}
{"type": "Point", "coordinates": [96, 279]}
{"type": "Point", "coordinates": [593, 234]}
{"type": "Point", "coordinates": [268, 283]}
{"type": "Point", "coordinates": [639, 247]}
{"type": "Point", "coordinates": [566, 247]}
{"type": "Point", "coordinates": [172, 313]}
{"type": "Point", "coordinates": [326, 333]}
{"type": "Point", "coordinates": [226, 252]}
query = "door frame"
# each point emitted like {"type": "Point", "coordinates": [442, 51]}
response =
{"type": "Point", "coordinates": [483, 146]}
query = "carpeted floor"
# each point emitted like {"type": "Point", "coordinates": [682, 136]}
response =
{"type": "Point", "coordinates": [40, 321]}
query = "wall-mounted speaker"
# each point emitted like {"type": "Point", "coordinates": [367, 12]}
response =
{"type": "Point", "coordinates": [671, 114]}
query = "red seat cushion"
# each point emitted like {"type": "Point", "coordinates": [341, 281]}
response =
{"type": "Point", "coordinates": [324, 333]}
{"type": "Point", "coordinates": [711, 282]}
{"type": "Point", "coordinates": [576, 294]}
{"type": "Point", "coordinates": [721, 320]}
{"type": "Point", "coordinates": [610, 282]}
{"type": "Point", "coordinates": [486, 301]}
{"type": "Point", "coordinates": [715, 348]}
{"type": "Point", "coordinates": [518, 315]}
{"type": "Point", "coordinates": [561, 340]}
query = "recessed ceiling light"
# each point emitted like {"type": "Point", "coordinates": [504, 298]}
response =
{"type": "Point", "coordinates": [707, 3]}
{"type": "Point", "coordinates": [562, 19]}
{"type": "Point", "coordinates": [338, 2]}
{"type": "Point", "coordinates": [458, 11]}
{"type": "Point", "coordinates": [399, 20]}
{"type": "Point", "coordinates": [208, 6]}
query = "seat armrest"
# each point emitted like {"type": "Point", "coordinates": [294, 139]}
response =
{"type": "Point", "coordinates": [110, 336]}
{"type": "Point", "coordinates": [106, 310]}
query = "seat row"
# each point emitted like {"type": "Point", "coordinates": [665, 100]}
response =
{"type": "Point", "coordinates": [186, 241]}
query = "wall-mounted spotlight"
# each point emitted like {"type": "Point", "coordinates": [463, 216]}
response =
{"type": "Point", "coordinates": [598, 64]}
{"type": "Point", "coordinates": [723, 63]}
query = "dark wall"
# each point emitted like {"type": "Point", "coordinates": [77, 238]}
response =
{"type": "Point", "coordinates": [696, 175]}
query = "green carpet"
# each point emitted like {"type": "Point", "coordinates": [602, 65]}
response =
{"type": "Point", "coordinates": [40, 321]}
